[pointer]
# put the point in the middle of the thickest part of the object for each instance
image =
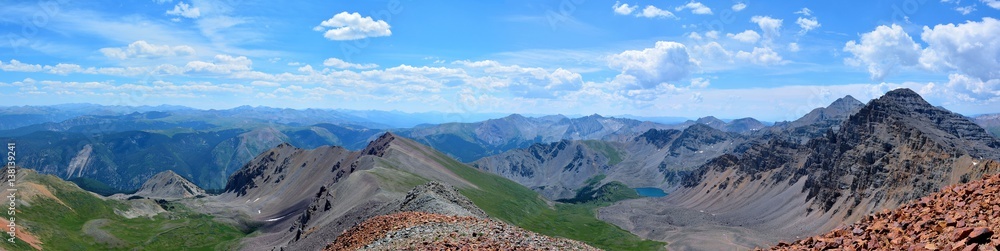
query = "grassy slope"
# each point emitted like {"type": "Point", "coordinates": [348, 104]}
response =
{"type": "Point", "coordinates": [60, 228]}
{"type": "Point", "coordinates": [614, 156]}
{"type": "Point", "coordinates": [514, 203]}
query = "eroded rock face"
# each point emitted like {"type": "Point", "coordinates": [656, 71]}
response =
{"type": "Point", "coordinates": [959, 217]}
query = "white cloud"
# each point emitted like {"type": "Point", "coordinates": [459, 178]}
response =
{"type": "Point", "coordinates": [700, 82]}
{"type": "Point", "coordinates": [760, 56]}
{"type": "Point", "coordinates": [352, 26]}
{"type": "Point", "coordinates": [623, 8]}
{"type": "Point", "coordinates": [184, 10]}
{"type": "Point", "coordinates": [696, 8]}
{"type": "Point", "coordinates": [971, 48]}
{"type": "Point", "coordinates": [747, 36]}
{"type": "Point", "coordinates": [666, 61]}
{"type": "Point", "coordinates": [793, 47]}
{"type": "Point", "coordinates": [17, 66]}
{"type": "Point", "coordinates": [992, 3]}
{"type": "Point", "coordinates": [713, 34]}
{"type": "Point", "coordinates": [222, 64]}
{"type": "Point", "coordinates": [966, 9]}
{"type": "Point", "coordinates": [883, 51]}
{"type": "Point", "coordinates": [710, 53]}
{"type": "Point", "coordinates": [694, 35]}
{"type": "Point", "coordinates": [308, 69]}
{"type": "Point", "coordinates": [264, 84]}
{"type": "Point", "coordinates": [804, 12]}
{"type": "Point", "coordinates": [973, 89]}
{"type": "Point", "coordinates": [143, 49]}
{"type": "Point", "coordinates": [341, 64]}
{"type": "Point", "coordinates": [739, 7]}
{"type": "Point", "coordinates": [770, 26]}
{"type": "Point", "coordinates": [807, 24]}
{"type": "Point", "coordinates": [654, 12]}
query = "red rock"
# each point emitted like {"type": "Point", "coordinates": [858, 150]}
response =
{"type": "Point", "coordinates": [971, 247]}
{"type": "Point", "coordinates": [980, 235]}
{"type": "Point", "coordinates": [960, 234]}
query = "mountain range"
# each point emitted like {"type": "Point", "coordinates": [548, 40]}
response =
{"type": "Point", "coordinates": [309, 180]}
{"type": "Point", "coordinates": [894, 149]}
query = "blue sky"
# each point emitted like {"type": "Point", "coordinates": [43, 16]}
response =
{"type": "Point", "coordinates": [772, 60]}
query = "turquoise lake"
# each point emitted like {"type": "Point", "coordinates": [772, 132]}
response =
{"type": "Point", "coordinates": [650, 192]}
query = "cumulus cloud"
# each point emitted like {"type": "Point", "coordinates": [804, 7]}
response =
{"type": "Point", "coordinates": [973, 89]}
{"type": "Point", "coordinates": [793, 47]}
{"type": "Point", "coordinates": [739, 6]}
{"type": "Point", "coordinates": [17, 66]}
{"type": "Point", "coordinates": [222, 64]}
{"type": "Point", "coordinates": [654, 12]}
{"type": "Point", "coordinates": [971, 48]}
{"type": "Point", "coordinates": [666, 61]}
{"type": "Point", "coordinates": [965, 10]}
{"type": "Point", "coordinates": [352, 26]}
{"type": "Point", "coordinates": [623, 8]}
{"type": "Point", "coordinates": [143, 49]}
{"type": "Point", "coordinates": [184, 10]}
{"type": "Point", "coordinates": [992, 3]}
{"type": "Point", "coordinates": [760, 56]}
{"type": "Point", "coordinates": [712, 51]}
{"type": "Point", "coordinates": [341, 64]}
{"type": "Point", "coordinates": [805, 12]}
{"type": "Point", "coordinates": [883, 50]}
{"type": "Point", "coordinates": [807, 24]}
{"type": "Point", "coordinates": [747, 36]}
{"type": "Point", "coordinates": [770, 26]}
{"type": "Point", "coordinates": [696, 8]}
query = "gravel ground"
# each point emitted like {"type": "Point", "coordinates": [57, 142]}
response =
{"type": "Point", "coordinates": [426, 231]}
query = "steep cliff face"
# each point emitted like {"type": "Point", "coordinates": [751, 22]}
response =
{"type": "Point", "coordinates": [894, 149]}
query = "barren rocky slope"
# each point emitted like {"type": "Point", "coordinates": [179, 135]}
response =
{"type": "Point", "coordinates": [895, 149]}
{"type": "Point", "coordinates": [169, 185]}
{"type": "Point", "coordinates": [655, 158]}
{"type": "Point", "coordinates": [959, 217]}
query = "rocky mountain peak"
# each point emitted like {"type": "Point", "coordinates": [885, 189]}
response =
{"type": "Point", "coordinates": [439, 198]}
{"type": "Point", "coordinates": [169, 185]}
{"type": "Point", "coordinates": [846, 103]}
{"type": "Point", "coordinates": [379, 146]}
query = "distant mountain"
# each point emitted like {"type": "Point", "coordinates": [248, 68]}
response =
{"type": "Point", "coordinates": [124, 160]}
{"type": "Point", "coordinates": [819, 120]}
{"type": "Point", "coordinates": [655, 158]}
{"type": "Point", "coordinates": [12, 117]}
{"type": "Point", "coordinates": [894, 149]}
{"type": "Point", "coordinates": [990, 122]}
{"type": "Point", "coordinates": [471, 141]}
{"type": "Point", "coordinates": [743, 125]}
{"type": "Point", "coordinates": [396, 119]}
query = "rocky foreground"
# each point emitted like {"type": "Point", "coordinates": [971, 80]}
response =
{"type": "Point", "coordinates": [427, 231]}
{"type": "Point", "coordinates": [960, 217]}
